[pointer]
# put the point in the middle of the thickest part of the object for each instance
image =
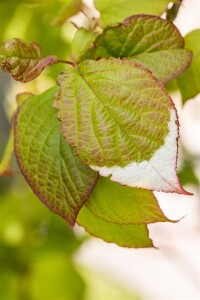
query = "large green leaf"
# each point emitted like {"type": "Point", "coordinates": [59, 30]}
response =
{"type": "Point", "coordinates": [113, 11]}
{"type": "Point", "coordinates": [47, 162]}
{"type": "Point", "coordinates": [113, 202]}
{"type": "Point", "coordinates": [23, 61]}
{"type": "Point", "coordinates": [146, 40]}
{"type": "Point", "coordinates": [122, 122]}
{"type": "Point", "coordinates": [132, 236]}
{"type": "Point", "coordinates": [189, 82]}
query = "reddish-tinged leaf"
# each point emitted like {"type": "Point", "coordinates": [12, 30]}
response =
{"type": "Point", "coordinates": [122, 122]}
{"type": "Point", "coordinates": [56, 176]}
{"type": "Point", "coordinates": [146, 40]}
{"type": "Point", "coordinates": [23, 61]}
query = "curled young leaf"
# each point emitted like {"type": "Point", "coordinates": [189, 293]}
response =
{"type": "Point", "coordinates": [146, 40]}
{"type": "Point", "coordinates": [23, 61]}
{"type": "Point", "coordinates": [56, 176]}
{"type": "Point", "coordinates": [122, 122]}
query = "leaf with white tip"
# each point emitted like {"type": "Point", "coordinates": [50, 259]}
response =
{"type": "Point", "coordinates": [59, 179]}
{"type": "Point", "coordinates": [147, 40]}
{"type": "Point", "coordinates": [122, 122]}
{"type": "Point", "coordinates": [23, 61]}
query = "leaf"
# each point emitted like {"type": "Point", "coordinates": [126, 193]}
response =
{"type": "Point", "coordinates": [146, 40]}
{"type": "Point", "coordinates": [5, 163]}
{"type": "Point", "coordinates": [187, 174]}
{"type": "Point", "coordinates": [113, 11]}
{"type": "Point", "coordinates": [119, 204]}
{"type": "Point", "coordinates": [23, 61]}
{"type": "Point", "coordinates": [189, 82]}
{"type": "Point", "coordinates": [22, 97]}
{"type": "Point", "coordinates": [132, 236]}
{"type": "Point", "coordinates": [122, 122]}
{"type": "Point", "coordinates": [81, 41]}
{"type": "Point", "coordinates": [70, 8]}
{"type": "Point", "coordinates": [56, 176]}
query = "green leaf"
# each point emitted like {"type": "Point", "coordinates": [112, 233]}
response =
{"type": "Point", "coordinates": [119, 204]}
{"type": "Point", "coordinates": [122, 122]}
{"type": "Point", "coordinates": [23, 61]}
{"type": "Point", "coordinates": [113, 11]}
{"type": "Point", "coordinates": [132, 236]}
{"type": "Point", "coordinates": [81, 41]}
{"type": "Point", "coordinates": [146, 40]}
{"type": "Point", "coordinates": [189, 82]}
{"type": "Point", "coordinates": [5, 163]}
{"type": "Point", "coordinates": [187, 174]}
{"type": "Point", "coordinates": [70, 8]}
{"type": "Point", "coordinates": [47, 162]}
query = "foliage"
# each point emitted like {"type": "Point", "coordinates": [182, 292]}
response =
{"type": "Point", "coordinates": [109, 115]}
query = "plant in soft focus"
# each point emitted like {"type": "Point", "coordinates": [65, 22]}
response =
{"type": "Point", "coordinates": [94, 147]}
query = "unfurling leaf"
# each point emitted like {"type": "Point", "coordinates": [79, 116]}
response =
{"type": "Point", "coordinates": [189, 82]}
{"type": "Point", "coordinates": [122, 122]}
{"type": "Point", "coordinates": [23, 61]}
{"type": "Point", "coordinates": [149, 40]}
{"type": "Point", "coordinates": [57, 177]}
{"type": "Point", "coordinates": [131, 236]}
{"type": "Point", "coordinates": [119, 204]}
{"type": "Point", "coordinates": [113, 11]}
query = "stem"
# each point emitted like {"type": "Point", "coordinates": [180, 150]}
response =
{"type": "Point", "coordinates": [65, 62]}
{"type": "Point", "coordinates": [172, 12]}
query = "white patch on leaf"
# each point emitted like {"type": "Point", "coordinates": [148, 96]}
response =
{"type": "Point", "coordinates": [159, 173]}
